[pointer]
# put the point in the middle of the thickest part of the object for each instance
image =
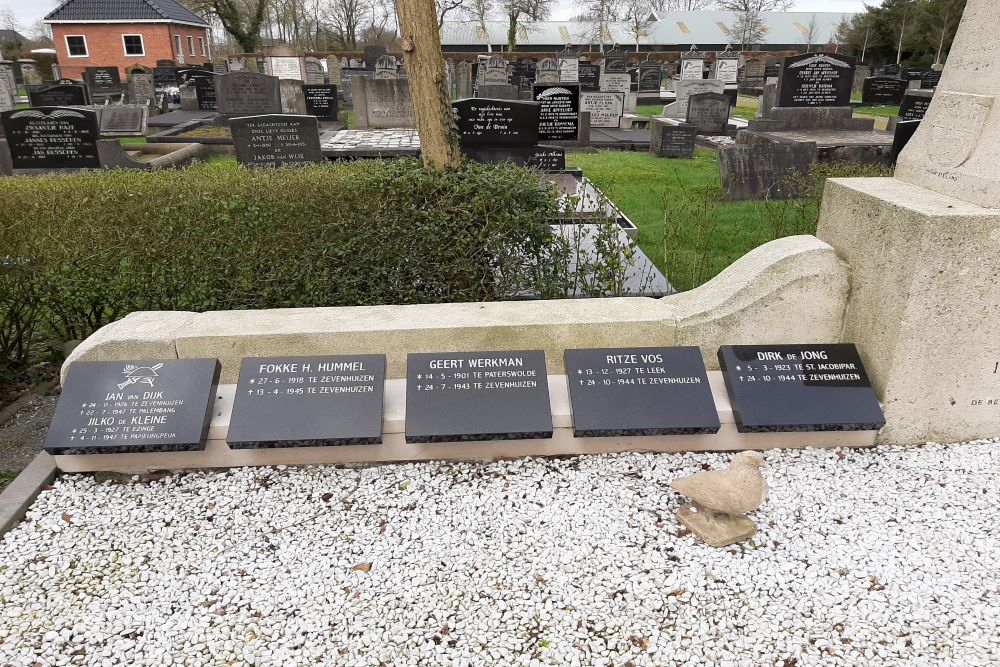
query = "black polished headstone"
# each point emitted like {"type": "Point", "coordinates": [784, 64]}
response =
{"type": "Point", "coordinates": [204, 88]}
{"type": "Point", "coordinates": [276, 140]}
{"type": "Point", "coordinates": [559, 115]}
{"type": "Point", "coordinates": [640, 391]}
{"type": "Point", "coordinates": [52, 138]}
{"type": "Point", "coordinates": [467, 396]}
{"type": "Point", "coordinates": [915, 104]}
{"type": "Point", "coordinates": [930, 79]}
{"type": "Point", "coordinates": [103, 80]}
{"type": "Point", "coordinates": [59, 95]}
{"type": "Point", "coordinates": [321, 101]}
{"type": "Point", "coordinates": [816, 80]}
{"type": "Point", "coordinates": [164, 77]}
{"type": "Point", "coordinates": [590, 76]}
{"type": "Point", "coordinates": [669, 140]}
{"type": "Point", "coordinates": [649, 78]}
{"type": "Point", "coordinates": [615, 62]}
{"type": "Point", "coordinates": [799, 388]}
{"type": "Point", "coordinates": [546, 158]}
{"type": "Point", "coordinates": [883, 90]}
{"type": "Point", "coordinates": [308, 401]}
{"type": "Point", "coordinates": [149, 405]}
{"type": "Point", "coordinates": [489, 122]}
{"type": "Point", "coordinates": [902, 134]}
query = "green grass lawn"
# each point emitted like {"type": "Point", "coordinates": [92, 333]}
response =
{"type": "Point", "coordinates": [746, 107]}
{"type": "Point", "coordinates": [883, 112]}
{"type": "Point", "coordinates": [683, 228]}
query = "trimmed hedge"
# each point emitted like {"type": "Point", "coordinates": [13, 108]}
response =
{"type": "Point", "coordinates": [78, 251]}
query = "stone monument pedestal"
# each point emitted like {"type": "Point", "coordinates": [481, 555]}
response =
{"type": "Point", "coordinates": [716, 529]}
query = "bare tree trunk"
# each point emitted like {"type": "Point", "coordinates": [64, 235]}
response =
{"type": "Point", "coordinates": [421, 44]}
{"type": "Point", "coordinates": [899, 50]}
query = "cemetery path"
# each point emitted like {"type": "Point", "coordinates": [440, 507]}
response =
{"type": "Point", "coordinates": [883, 556]}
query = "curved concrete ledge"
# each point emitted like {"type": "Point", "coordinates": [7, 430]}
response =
{"type": "Point", "coordinates": [789, 290]}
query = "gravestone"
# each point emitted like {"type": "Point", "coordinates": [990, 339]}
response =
{"type": "Point", "coordinates": [58, 95]}
{"type": "Point", "coordinates": [29, 72]}
{"type": "Point", "coordinates": [140, 87]}
{"type": "Point", "coordinates": [559, 115]}
{"type": "Point", "coordinates": [165, 62]}
{"type": "Point", "coordinates": [485, 122]}
{"type": "Point", "coordinates": [709, 112]}
{"type": "Point", "coordinates": [333, 70]}
{"type": "Point", "coordinates": [463, 79]}
{"type": "Point", "coordinates": [684, 89]}
{"type": "Point", "coordinates": [495, 73]}
{"type": "Point", "coordinates": [385, 67]}
{"type": "Point", "coordinates": [692, 64]}
{"type": "Point", "coordinates": [220, 66]}
{"type": "Point", "coordinates": [605, 108]}
{"type": "Point", "coordinates": [672, 139]}
{"type": "Point", "coordinates": [158, 405]}
{"type": "Point", "coordinates": [314, 72]}
{"type": "Point", "coordinates": [276, 140]}
{"type": "Point", "coordinates": [760, 171]}
{"type": "Point", "coordinates": [727, 65]}
{"type": "Point", "coordinates": [102, 80]}
{"type": "Point", "coordinates": [251, 64]}
{"type": "Point", "coordinates": [372, 54]}
{"type": "Point", "coordinates": [7, 72]}
{"type": "Point", "coordinates": [589, 75]}
{"type": "Point", "coordinates": [816, 80]}
{"type": "Point", "coordinates": [915, 104]}
{"type": "Point", "coordinates": [236, 64]}
{"type": "Point", "coordinates": [52, 138]}
{"type": "Point", "coordinates": [321, 101]}
{"type": "Point", "coordinates": [248, 94]}
{"type": "Point", "coordinates": [882, 90]}
{"type": "Point", "coordinates": [650, 74]}
{"type": "Point", "coordinates": [188, 96]}
{"type": "Point", "coordinates": [124, 120]}
{"type": "Point", "coordinates": [164, 77]}
{"type": "Point", "coordinates": [799, 388]}
{"type": "Point", "coordinates": [616, 83]}
{"type": "Point", "coordinates": [640, 391]}
{"type": "Point", "coordinates": [286, 67]}
{"type": "Point", "coordinates": [308, 401]}
{"type": "Point", "coordinates": [7, 94]}
{"type": "Point", "coordinates": [293, 100]}
{"type": "Point", "coordinates": [615, 62]}
{"type": "Point", "coordinates": [204, 87]}
{"type": "Point", "coordinates": [753, 73]}
{"type": "Point", "coordinates": [547, 71]}
{"type": "Point", "coordinates": [902, 133]}
{"type": "Point", "coordinates": [930, 79]}
{"type": "Point", "coordinates": [498, 92]}
{"type": "Point", "coordinates": [469, 396]}
{"type": "Point", "coordinates": [568, 65]}
{"type": "Point", "coordinates": [383, 103]}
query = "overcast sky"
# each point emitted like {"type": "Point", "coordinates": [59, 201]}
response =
{"type": "Point", "coordinates": [29, 11]}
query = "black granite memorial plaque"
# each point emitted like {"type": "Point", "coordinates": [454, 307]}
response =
{"type": "Point", "coordinates": [559, 115]}
{"type": "Point", "coordinates": [669, 140]}
{"type": "Point", "coordinates": [901, 136]}
{"type": "Point", "coordinates": [159, 405]}
{"type": "Point", "coordinates": [103, 80]}
{"type": "Point", "coordinates": [308, 401]}
{"type": "Point", "coordinates": [799, 388]}
{"type": "Point", "coordinates": [883, 90]}
{"type": "Point", "coordinates": [640, 391]}
{"type": "Point", "coordinates": [59, 95]}
{"type": "Point", "coordinates": [615, 62]}
{"type": "Point", "coordinates": [816, 80]}
{"type": "Point", "coordinates": [276, 140]}
{"type": "Point", "coordinates": [590, 76]}
{"type": "Point", "coordinates": [546, 158]}
{"type": "Point", "coordinates": [930, 79]}
{"type": "Point", "coordinates": [164, 77]}
{"type": "Point", "coordinates": [321, 101]}
{"type": "Point", "coordinates": [649, 78]}
{"type": "Point", "coordinates": [204, 88]}
{"type": "Point", "coordinates": [487, 122]}
{"type": "Point", "coordinates": [52, 138]}
{"type": "Point", "coordinates": [465, 396]}
{"type": "Point", "coordinates": [915, 104]}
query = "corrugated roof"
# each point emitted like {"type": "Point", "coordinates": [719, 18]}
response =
{"type": "Point", "coordinates": [124, 10]}
{"type": "Point", "coordinates": [674, 28]}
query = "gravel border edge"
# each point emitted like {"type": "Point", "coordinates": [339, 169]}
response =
{"type": "Point", "coordinates": [19, 494]}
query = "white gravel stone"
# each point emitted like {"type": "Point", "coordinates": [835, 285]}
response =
{"type": "Point", "coordinates": [873, 557]}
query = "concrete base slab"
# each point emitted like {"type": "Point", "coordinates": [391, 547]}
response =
{"type": "Point", "coordinates": [716, 529]}
{"type": "Point", "coordinates": [217, 453]}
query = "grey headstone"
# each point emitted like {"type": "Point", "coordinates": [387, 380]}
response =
{"type": "Point", "coordinates": [333, 70]}
{"type": "Point", "coordinates": [685, 89]}
{"type": "Point", "coordinates": [672, 139]}
{"type": "Point", "coordinates": [248, 93]}
{"type": "Point", "coordinates": [147, 405]}
{"type": "Point", "coordinates": [568, 66]}
{"type": "Point", "coordinates": [495, 73]}
{"type": "Point", "coordinates": [293, 99]}
{"type": "Point", "coordinates": [314, 72]}
{"type": "Point", "coordinates": [382, 103]}
{"type": "Point", "coordinates": [276, 140]}
{"type": "Point", "coordinates": [124, 120]}
{"type": "Point", "coordinates": [498, 92]}
{"type": "Point", "coordinates": [605, 108]}
{"type": "Point", "coordinates": [463, 79]}
{"type": "Point", "coordinates": [385, 67]}
{"type": "Point", "coordinates": [709, 112]}
{"type": "Point", "coordinates": [6, 94]}
{"type": "Point", "coordinates": [547, 71]}
{"type": "Point", "coordinates": [58, 95]}
{"type": "Point", "coordinates": [140, 87]}
{"type": "Point", "coordinates": [760, 171]}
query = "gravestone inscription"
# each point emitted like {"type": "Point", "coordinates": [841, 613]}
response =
{"type": "Point", "coordinates": [52, 138]}
{"type": "Point", "coordinates": [286, 67]}
{"type": "Point", "coordinates": [487, 122]}
{"type": "Point", "coordinates": [590, 76]}
{"type": "Point", "coordinates": [693, 64]}
{"type": "Point", "coordinates": [140, 87]}
{"type": "Point", "coordinates": [315, 76]}
{"type": "Point", "coordinates": [930, 79]}
{"type": "Point", "coordinates": [248, 93]}
{"type": "Point", "coordinates": [308, 401]}
{"type": "Point", "coordinates": [204, 87]}
{"type": "Point", "coordinates": [640, 391]}
{"type": "Point", "coordinates": [495, 72]}
{"type": "Point", "coordinates": [164, 77]}
{"type": "Point", "coordinates": [649, 77]}
{"type": "Point", "coordinates": [58, 95]}
{"type": "Point", "coordinates": [883, 90]}
{"type": "Point", "coordinates": [321, 101]}
{"type": "Point", "coordinates": [670, 139]}
{"type": "Point", "coordinates": [468, 396]}
{"type": "Point", "coordinates": [147, 405]}
{"type": "Point", "coordinates": [605, 108]}
{"type": "Point", "coordinates": [7, 94]}
{"type": "Point", "coordinates": [615, 62]}
{"type": "Point", "coordinates": [102, 80]}
{"type": "Point", "coordinates": [124, 120]}
{"type": "Point", "coordinates": [559, 116]}
{"type": "Point", "coordinates": [568, 64]}
{"type": "Point", "coordinates": [709, 112]}
{"type": "Point", "coordinates": [915, 104]}
{"type": "Point", "coordinates": [276, 140]}
{"type": "Point", "coordinates": [547, 71]}
{"type": "Point", "coordinates": [816, 80]}
{"type": "Point", "coordinates": [799, 388]}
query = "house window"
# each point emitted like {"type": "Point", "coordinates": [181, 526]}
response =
{"type": "Point", "coordinates": [201, 46]}
{"type": "Point", "coordinates": [191, 45]}
{"type": "Point", "coordinates": [133, 45]}
{"type": "Point", "coordinates": [177, 45]}
{"type": "Point", "coordinates": [76, 46]}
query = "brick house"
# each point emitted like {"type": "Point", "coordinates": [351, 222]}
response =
{"type": "Point", "coordinates": [90, 33]}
